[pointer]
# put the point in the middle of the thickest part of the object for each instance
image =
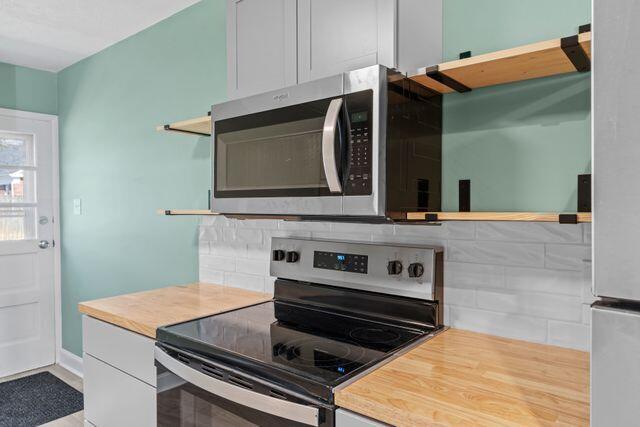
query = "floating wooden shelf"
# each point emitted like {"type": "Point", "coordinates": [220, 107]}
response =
{"type": "Point", "coordinates": [180, 212]}
{"type": "Point", "coordinates": [543, 59]}
{"type": "Point", "coordinates": [496, 216]}
{"type": "Point", "coordinates": [433, 216]}
{"type": "Point", "coordinates": [200, 126]}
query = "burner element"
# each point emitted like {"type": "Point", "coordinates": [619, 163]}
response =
{"type": "Point", "coordinates": [374, 335]}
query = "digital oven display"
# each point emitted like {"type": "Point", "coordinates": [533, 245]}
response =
{"type": "Point", "coordinates": [341, 262]}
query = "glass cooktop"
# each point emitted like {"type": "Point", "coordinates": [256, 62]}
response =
{"type": "Point", "coordinates": [321, 346]}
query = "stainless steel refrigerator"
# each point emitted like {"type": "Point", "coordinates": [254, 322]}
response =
{"type": "Point", "coordinates": [615, 334]}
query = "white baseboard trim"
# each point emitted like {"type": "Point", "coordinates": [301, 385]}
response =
{"type": "Point", "coordinates": [70, 362]}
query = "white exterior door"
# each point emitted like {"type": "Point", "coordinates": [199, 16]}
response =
{"type": "Point", "coordinates": [27, 186]}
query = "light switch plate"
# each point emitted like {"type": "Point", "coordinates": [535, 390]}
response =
{"type": "Point", "coordinates": [77, 206]}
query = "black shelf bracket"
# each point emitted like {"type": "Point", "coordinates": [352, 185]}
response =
{"type": "Point", "coordinates": [465, 55]}
{"type": "Point", "coordinates": [464, 195]}
{"type": "Point", "coordinates": [584, 193]}
{"type": "Point", "coordinates": [189, 132]}
{"type": "Point", "coordinates": [571, 47]}
{"type": "Point", "coordinates": [431, 217]}
{"type": "Point", "coordinates": [568, 218]}
{"type": "Point", "coordinates": [584, 28]}
{"type": "Point", "coordinates": [435, 74]}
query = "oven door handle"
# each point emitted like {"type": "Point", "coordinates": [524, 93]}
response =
{"type": "Point", "coordinates": [281, 408]}
{"type": "Point", "coordinates": [329, 145]}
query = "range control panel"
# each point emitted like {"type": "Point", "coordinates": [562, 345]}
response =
{"type": "Point", "coordinates": [340, 261]}
{"type": "Point", "coordinates": [405, 270]}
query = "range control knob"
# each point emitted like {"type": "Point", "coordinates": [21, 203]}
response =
{"type": "Point", "coordinates": [394, 268]}
{"type": "Point", "coordinates": [292, 256]}
{"type": "Point", "coordinates": [415, 270]}
{"type": "Point", "coordinates": [278, 255]}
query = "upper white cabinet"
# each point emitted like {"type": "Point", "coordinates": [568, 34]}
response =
{"type": "Point", "coordinates": [261, 46]}
{"type": "Point", "coordinates": [336, 36]}
{"type": "Point", "coordinates": [272, 44]}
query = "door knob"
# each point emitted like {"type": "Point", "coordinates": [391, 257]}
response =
{"type": "Point", "coordinates": [44, 244]}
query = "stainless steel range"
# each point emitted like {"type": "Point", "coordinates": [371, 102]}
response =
{"type": "Point", "coordinates": [340, 309]}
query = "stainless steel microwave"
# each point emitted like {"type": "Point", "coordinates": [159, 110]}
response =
{"type": "Point", "coordinates": [363, 145]}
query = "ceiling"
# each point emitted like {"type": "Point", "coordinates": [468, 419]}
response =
{"type": "Point", "coordinates": [53, 34]}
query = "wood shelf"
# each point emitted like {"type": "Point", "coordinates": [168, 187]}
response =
{"type": "Point", "coordinates": [497, 216]}
{"type": "Point", "coordinates": [542, 59]}
{"type": "Point", "coordinates": [432, 216]}
{"type": "Point", "coordinates": [200, 126]}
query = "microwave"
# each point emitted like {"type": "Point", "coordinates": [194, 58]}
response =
{"type": "Point", "coordinates": [365, 145]}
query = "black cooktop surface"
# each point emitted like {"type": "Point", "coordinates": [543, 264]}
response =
{"type": "Point", "coordinates": [313, 344]}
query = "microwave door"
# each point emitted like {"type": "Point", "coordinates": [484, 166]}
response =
{"type": "Point", "coordinates": [286, 161]}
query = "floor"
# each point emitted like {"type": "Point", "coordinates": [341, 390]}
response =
{"type": "Point", "coordinates": [73, 380]}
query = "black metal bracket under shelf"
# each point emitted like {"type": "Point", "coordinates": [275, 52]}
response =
{"type": "Point", "coordinates": [568, 218]}
{"type": "Point", "coordinates": [435, 74]}
{"type": "Point", "coordinates": [190, 132]}
{"type": "Point", "coordinates": [576, 54]}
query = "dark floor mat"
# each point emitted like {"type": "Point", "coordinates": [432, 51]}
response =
{"type": "Point", "coordinates": [37, 399]}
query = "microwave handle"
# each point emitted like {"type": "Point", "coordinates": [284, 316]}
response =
{"type": "Point", "coordinates": [281, 408]}
{"type": "Point", "coordinates": [328, 145]}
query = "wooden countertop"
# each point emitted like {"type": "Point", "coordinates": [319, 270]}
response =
{"type": "Point", "coordinates": [465, 378]}
{"type": "Point", "coordinates": [143, 312]}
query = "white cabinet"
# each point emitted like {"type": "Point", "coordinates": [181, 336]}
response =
{"type": "Point", "coordinates": [261, 46]}
{"type": "Point", "coordinates": [119, 376]}
{"type": "Point", "coordinates": [272, 44]}
{"type": "Point", "coordinates": [346, 418]}
{"type": "Point", "coordinates": [336, 36]}
{"type": "Point", "coordinates": [115, 398]}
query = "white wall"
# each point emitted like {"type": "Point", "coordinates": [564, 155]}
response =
{"type": "Point", "coordinates": [529, 281]}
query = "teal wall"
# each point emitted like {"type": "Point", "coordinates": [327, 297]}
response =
{"type": "Point", "coordinates": [27, 89]}
{"type": "Point", "coordinates": [522, 145]}
{"type": "Point", "coordinates": [123, 170]}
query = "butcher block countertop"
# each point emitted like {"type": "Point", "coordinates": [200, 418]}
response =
{"type": "Point", "coordinates": [144, 312]}
{"type": "Point", "coordinates": [463, 378]}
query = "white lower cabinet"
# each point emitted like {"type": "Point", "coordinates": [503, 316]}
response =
{"type": "Point", "coordinates": [346, 418]}
{"type": "Point", "coordinates": [119, 376]}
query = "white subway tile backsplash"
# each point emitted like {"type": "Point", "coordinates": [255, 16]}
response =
{"type": "Point", "coordinates": [213, 262]}
{"type": "Point", "coordinates": [457, 274]}
{"type": "Point", "coordinates": [460, 296]}
{"type": "Point", "coordinates": [570, 335]}
{"type": "Point", "coordinates": [540, 280]}
{"type": "Point", "coordinates": [567, 257]}
{"type": "Point", "coordinates": [252, 266]}
{"type": "Point", "coordinates": [304, 225]}
{"type": "Point", "coordinates": [245, 281]}
{"type": "Point", "coordinates": [547, 306]}
{"type": "Point", "coordinates": [529, 232]}
{"type": "Point", "coordinates": [481, 252]}
{"type": "Point", "coordinates": [501, 324]}
{"type": "Point", "coordinates": [368, 229]}
{"type": "Point", "coordinates": [211, 276]}
{"type": "Point", "coordinates": [587, 233]}
{"type": "Point", "coordinates": [519, 280]}
{"type": "Point", "coordinates": [458, 230]}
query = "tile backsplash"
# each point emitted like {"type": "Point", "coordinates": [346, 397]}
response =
{"type": "Point", "coordinates": [529, 281]}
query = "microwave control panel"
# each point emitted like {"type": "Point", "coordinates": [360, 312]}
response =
{"type": "Point", "coordinates": [358, 180]}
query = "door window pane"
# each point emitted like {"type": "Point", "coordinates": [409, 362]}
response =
{"type": "Point", "coordinates": [17, 223]}
{"type": "Point", "coordinates": [16, 150]}
{"type": "Point", "coordinates": [17, 186]}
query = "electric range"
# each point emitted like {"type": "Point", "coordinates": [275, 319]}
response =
{"type": "Point", "coordinates": [339, 310]}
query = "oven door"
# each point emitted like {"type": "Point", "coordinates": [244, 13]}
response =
{"type": "Point", "coordinates": [192, 392]}
{"type": "Point", "coordinates": [285, 161]}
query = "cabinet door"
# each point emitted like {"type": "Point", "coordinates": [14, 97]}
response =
{"type": "Point", "coordinates": [113, 398]}
{"type": "Point", "coordinates": [261, 46]}
{"type": "Point", "coordinates": [346, 418]}
{"type": "Point", "coordinates": [336, 36]}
